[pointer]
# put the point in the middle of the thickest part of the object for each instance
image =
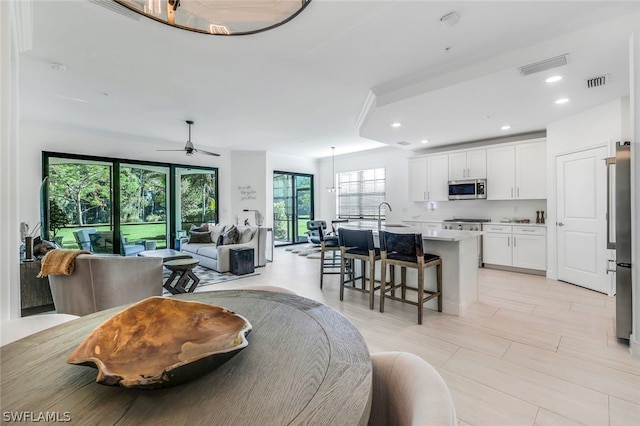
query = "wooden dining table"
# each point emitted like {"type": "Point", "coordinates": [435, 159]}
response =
{"type": "Point", "coordinates": [305, 364]}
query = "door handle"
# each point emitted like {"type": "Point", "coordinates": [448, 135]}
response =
{"type": "Point", "coordinates": [559, 224]}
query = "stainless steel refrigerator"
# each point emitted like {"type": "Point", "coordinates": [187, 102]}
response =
{"type": "Point", "coordinates": [622, 244]}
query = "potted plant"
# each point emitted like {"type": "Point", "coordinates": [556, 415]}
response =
{"type": "Point", "coordinates": [57, 220]}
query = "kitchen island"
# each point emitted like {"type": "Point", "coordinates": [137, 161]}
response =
{"type": "Point", "coordinates": [459, 253]}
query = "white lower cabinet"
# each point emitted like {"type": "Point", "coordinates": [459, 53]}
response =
{"type": "Point", "coordinates": [516, 246]}
{"type": "Point", "coordinates": [496, 245]}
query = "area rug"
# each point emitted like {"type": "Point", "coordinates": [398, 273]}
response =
{"type": "Point", "coordinates": [208, 277]}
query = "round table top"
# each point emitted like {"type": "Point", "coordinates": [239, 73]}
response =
{"type": "Point", "coordinates": [305, 364]}
{"type": "Point", "coordinates": [181, 264]}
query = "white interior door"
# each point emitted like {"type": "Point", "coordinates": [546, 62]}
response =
{"type": "Point", "coordinates": [581, 219]}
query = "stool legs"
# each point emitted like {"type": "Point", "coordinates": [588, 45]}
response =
{"type": "Point", "coordinates": [419, 288]}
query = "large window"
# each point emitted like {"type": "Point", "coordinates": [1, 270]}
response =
{"type": "Point", "coordinates": [112, 206]}
{"type": "Point", "coordinates": [359, 193]}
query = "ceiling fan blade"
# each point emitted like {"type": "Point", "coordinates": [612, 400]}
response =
{"type": "Point", "coordinates": [179, 150]}
{"type": "Point", "coordinates": [206, 152]}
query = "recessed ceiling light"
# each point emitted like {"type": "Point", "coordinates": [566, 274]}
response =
{"type": "Point", "coordinates": [562, 101]}
{"type": "Point", "coordinates": [507, 127]}
{"type": "Point", "coordinates": [424, 141]}
{"type": "Point", "coordinates": [396, 124]}
{"type": "Point", "coordinates": [553, 79]}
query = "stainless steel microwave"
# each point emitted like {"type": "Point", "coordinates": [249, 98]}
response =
{"type": "Point", "coordinates": [468, 189]}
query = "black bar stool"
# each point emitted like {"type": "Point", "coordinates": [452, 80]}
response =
{"type": "Point", "coordinates": [406, 251]}
{"type": "Point", "coordinates": [328, 244]}
{"type": "Point", "coordinates": [358, 245]}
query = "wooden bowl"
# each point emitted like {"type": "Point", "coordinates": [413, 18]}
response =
{"type": "Point", "coordinates": [162, 342]}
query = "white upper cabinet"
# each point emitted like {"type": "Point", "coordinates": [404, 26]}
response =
{"type": "Point", "coordinates": [531, 171]}
{"type": "Point", "coordinates": [428, 178]}
{"type": "Point", "coordinates": [516, 172]}
{"type": "Point", "coordinates": [418, 179]}
{"type": "Point", "coordinates": [468, 164]}
{"type": "Point", "coordinates": [437, 182]}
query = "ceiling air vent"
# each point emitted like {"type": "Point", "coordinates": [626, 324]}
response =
{"type": "Point", "coordinates": [403, 143]}
{"type": "Point", "coordinates": [547, 64]}
{"type": "Point", "coordinates": [597, 81]}
{"type": "Point", "coordinates": [118, 8]}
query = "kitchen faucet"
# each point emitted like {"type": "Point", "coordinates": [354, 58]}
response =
{"type": "Point", "coordinates": [380, 212]}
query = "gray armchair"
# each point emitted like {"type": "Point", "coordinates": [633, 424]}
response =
{"type": "Point", "coordinates": [102, 282]}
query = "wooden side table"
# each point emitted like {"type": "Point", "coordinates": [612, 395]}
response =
{"type": "Point", "coordinates": [181, 269]}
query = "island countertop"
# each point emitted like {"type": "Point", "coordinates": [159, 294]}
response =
{"type": "Point", "coordinates": [427, 233]}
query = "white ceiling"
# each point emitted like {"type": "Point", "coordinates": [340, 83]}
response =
{"type": "Point", "coordinates": [337, 75]}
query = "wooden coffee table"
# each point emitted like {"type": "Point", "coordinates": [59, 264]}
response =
{"type": "Point", "coordinates": [165, 254]}
{"type": "Point", "coordinates": [182, 270]}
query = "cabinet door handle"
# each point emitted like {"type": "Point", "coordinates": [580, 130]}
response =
{"type": "Point", "coordinates": [428, 195]}
{"type": "Point", "coordinates": [511, 192]}
{"type": "Point", "coordinates": [518, 192]}
{"type": "Point", "coordinates": [508, 241]}
{"type": "Point", "coordinates": [514, 240]}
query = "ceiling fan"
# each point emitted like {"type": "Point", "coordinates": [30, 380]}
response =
{"type": "Point", "coordinates": [189, 149]}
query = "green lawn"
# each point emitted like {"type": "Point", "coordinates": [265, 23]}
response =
{"type": "Point", "coordinates": [132, 232]}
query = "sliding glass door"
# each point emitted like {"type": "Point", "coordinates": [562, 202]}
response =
{"type": "Point", "coordinates": [143, 202]}
{"type": "Point", "coordinates": [80, 196]}
{"type": "Point", "coordinates": [292, 207]}
{"type": "Point", "coordinates": [198, 195]}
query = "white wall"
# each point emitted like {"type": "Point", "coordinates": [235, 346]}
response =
{"type": "Point", "coordinates": [248, 186]}
{"type": "Point", "coordinates": [9, 230]}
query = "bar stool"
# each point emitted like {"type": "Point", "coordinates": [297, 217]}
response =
{"type": "Point", "coordinates": [328, 265]}
{"type": "Point", "coordinates": [358, 245]}
{"type": "Point", "coordinates": [406, 251]}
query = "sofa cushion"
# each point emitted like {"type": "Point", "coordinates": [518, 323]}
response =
{"type": "Point", "coordinates": [208, 251]}
{"type": "Point", "coordinates": [199, 237]}
{"type": "Point", "coordinates": [245, 234]}
{"type": "Point", "coordinates": [230, 236]}
{"type": "Point", "coordinates": [216, 231]}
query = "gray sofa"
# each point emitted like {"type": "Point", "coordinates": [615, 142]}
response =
{"type": "Point", "coordinates": [101, 282]}
{"type": "Point", "coordinates": [217, 257]}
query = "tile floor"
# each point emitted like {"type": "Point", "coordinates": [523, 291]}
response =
{"type": "Point", "coordinates": [531, 351]}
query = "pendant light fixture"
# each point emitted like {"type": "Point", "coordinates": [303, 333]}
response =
{"type": "Point", "coordinates": [333, 169]}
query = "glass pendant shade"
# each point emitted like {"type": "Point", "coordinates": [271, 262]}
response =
{"type": "Point", "coordinates": [219, 17]}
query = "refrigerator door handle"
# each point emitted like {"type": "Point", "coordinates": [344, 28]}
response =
{"type": "Point", "coordinates": [623, 265]}
{"type": "Point", "coordinates": [609, 161]}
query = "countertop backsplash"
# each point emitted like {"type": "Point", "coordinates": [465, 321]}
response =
{"type": "Point", "coordinates": [497, 211]}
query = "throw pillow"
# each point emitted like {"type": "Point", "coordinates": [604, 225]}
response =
{"type": "Point", "coordinates": [245, 235]}
{"type": "Point", "coordinates": [202, 228]}
{"type": "Point", "coordinates": [231, 236]}
{"type": "Point", "coordinates": [216, 231]}
{"type": "Point", "coordinates": [199, 237]}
